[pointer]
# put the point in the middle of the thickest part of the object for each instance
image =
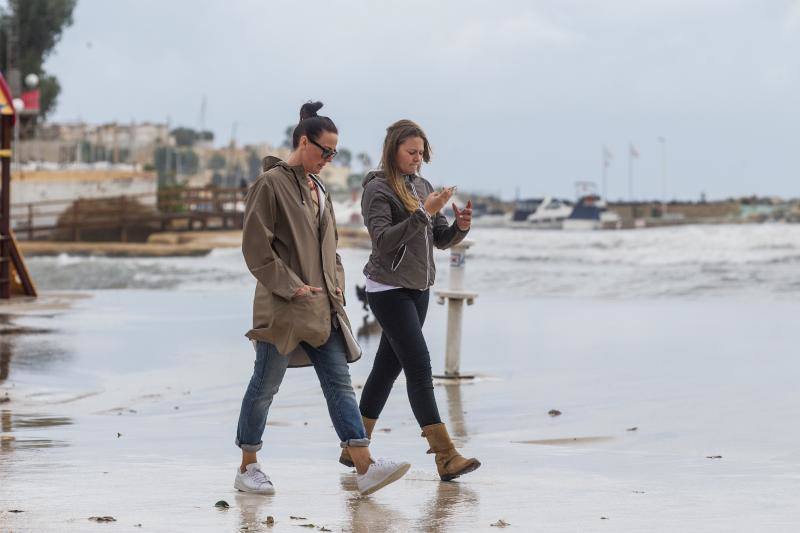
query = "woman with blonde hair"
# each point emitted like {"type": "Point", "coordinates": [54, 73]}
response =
{"type": "Point", "coordinates": [402, 212]}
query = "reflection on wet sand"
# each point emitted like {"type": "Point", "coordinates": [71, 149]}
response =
{"type": "Point", "coordinates": [251, 507]}
{"type": "Point", "coordinates": [366, 514]}
{"type": "Point", "coordinates": [450, 506]}
{"type": "Point", "coordinates": [453, 505]}
{"type": "Point", "coordinates": [29, 344]}
{"type": "Point", "coordinates": [6, 441]}
{"type": "Point", "coordinates": [8, 327]}
{"type": "Point", "coordinates": [5, 358]}
{"type": "Point", "coordinates": [455, 411]}
{"type": "Point", "coordinates": [18, 430]}
{"type": "Point", "coordinates": [567, 441]}
{"type": "Point", "coordinates": [369, 329]}
{"type": "Point", "coordinates": [9, 422]}
{"type": "Point", "coordinates": [40, 421]}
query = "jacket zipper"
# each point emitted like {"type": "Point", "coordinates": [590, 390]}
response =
{"type": "Point", "coordinates": [427, 243]}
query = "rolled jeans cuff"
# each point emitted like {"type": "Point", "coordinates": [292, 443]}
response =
{"type": "Point", "coordinates": [249, 447]}
{"type": "Point", "coordinates": [355, 443]}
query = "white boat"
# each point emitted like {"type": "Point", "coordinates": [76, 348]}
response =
{"type": "Point", "coordinates": [592, 213]}
{"type": "Point", "coordinates": [550, 214]}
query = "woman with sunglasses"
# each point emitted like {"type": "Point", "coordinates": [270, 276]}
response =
{"type": "Point", "coordinates": [403, 215]}
{"type": "Point", "coordinates": [289, 244]}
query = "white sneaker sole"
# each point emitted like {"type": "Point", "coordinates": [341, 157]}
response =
{"type": "Point", "coordinates": [242, 488]}
{"type": "Point", "coordinates": [391, 478]}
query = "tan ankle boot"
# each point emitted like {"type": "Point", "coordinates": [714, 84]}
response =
{"type": "Point", "coordinates": [369, 425]}
{"type": "Point", "coordinates": [449, 462]}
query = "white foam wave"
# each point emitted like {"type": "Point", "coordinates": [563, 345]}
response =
{"type": "Point", "coordinates": [688, 261]}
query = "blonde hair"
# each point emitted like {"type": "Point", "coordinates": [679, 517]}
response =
{"type": "Point", "coordinates": [396, 134]}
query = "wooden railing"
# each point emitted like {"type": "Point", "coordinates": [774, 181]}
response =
{"type": "Point", "coordinates": [184, 209]}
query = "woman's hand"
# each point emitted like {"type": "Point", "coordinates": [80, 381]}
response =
{"type": "Point", "coordinates": [437, 200]}
{"type": "Point", "coordinates": [305, 290]}
{"type": "Point", "coordinates": [463, 217]}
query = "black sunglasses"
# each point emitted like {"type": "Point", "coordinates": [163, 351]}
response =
{"type": "Point", "coordinates": [327, 153]}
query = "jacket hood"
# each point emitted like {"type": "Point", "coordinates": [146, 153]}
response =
{"type": "Point", "coordinates": [270, 162]}
{"type": "Point", "coordinates": [371, 175]}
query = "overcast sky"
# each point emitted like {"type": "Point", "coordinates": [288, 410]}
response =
{"type": "Point", "coordinates": [515, 94]}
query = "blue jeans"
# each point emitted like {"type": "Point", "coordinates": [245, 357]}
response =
{"type": "Point", "coordinates": [330, 363]}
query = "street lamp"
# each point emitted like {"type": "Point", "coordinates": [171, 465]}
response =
{"type": "Point", "coordinates": [30, 98]}
{"type": "Point", "coordinates": [31, 80]}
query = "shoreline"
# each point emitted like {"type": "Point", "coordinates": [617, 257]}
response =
{"type": "Point", "coordinates": [168, 244]}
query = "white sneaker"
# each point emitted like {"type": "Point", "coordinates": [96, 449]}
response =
{"type": "Point", "coordinates": [380, 473]}
{"type": "Point", "coordinates": [253, 480]}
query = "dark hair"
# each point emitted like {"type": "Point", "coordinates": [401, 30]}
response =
{"type": "Point", "coordinates": [311, 125]}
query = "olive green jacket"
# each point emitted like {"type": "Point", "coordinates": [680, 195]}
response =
{"type": "Point", "coordinates": [286, 247]}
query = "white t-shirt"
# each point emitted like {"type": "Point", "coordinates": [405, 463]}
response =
{"type": "Point", "coordinates": [374, 286]}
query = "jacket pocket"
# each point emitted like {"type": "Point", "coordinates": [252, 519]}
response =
{"type": "Point", "coordinates": [398, 257]}
{"type": "Point", "coordinates": [310, 317]}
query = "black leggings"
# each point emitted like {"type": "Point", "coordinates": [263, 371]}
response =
{"type": "Point", "coordinates": [401, 314]}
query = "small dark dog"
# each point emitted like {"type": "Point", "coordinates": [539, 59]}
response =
{"type": "Point", "coordinates": [361, 294]}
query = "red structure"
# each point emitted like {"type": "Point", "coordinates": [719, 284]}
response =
{"type": "Point", "coordinates": [31, 100]}
{"type": "Point", "coordinates": [12, 265]}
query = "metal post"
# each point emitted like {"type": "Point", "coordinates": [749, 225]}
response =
{"type": "Point", "coordinates": [455, 296]}
{"type": "Point", "coordinates": [452, 357]}
{"type": "Point", "coordinates": [5, 206]}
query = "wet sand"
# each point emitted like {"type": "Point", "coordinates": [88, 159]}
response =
{"type": "Point", "coordinates": [124, 404]}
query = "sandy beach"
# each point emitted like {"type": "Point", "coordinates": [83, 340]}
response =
{"type": "Point", "coordinates": [677, 412]}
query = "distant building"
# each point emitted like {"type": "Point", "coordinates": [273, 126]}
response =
{"type": "Point", "coordinates": [147, 146]}
{"type": "Point", "coordinates": [68, 143]}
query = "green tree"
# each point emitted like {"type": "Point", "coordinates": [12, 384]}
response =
{"type": "Point", "coordinates": [30, 30]}
{"type": "Point", "coordinates": [217, 162]}
{"type": "Point", "coordinates": [189, 161]}
{"type": "Point", "coordinates": [187, 137]}
{"type": "Point", "coordinates": [253, 165]}
{"type": "Point", "coordinates": [354, 180]}
{"type": "Point", "coordinates": [184, 136]}
{"type": "Point", "coordinates": [287, 136]}
{"type": "Point", "coordinates": [365, 160]}
{"type": "Point", "coordinates": [164, 162]}
{"type": "Point", "coordinates": [345, 157]}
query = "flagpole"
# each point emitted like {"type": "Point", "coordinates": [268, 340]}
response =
{"type": "Point", "coordinates": [630, 172]}
{"type": "Point", "coordinates": [663, 142]}
{"type": "Point", "coordinates": [605, 171]}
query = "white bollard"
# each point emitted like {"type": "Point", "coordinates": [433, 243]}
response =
{"type": "Point", "coordinates": [455, 296]}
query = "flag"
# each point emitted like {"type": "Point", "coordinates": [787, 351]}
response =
{"type": "Point", "coordinates": [633, 151]}
{"type": "Point", "coordinates": [607, 156]}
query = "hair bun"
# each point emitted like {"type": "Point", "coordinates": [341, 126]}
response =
{"type": "Point", "coordinates": [310, 109]}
